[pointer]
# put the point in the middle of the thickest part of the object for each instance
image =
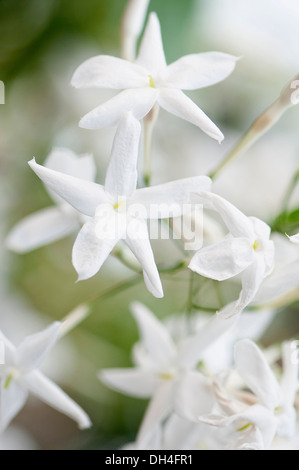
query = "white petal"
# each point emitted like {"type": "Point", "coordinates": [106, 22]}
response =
{"type": "Point", "coordinates": [170, 199]}
{"type": "Point", "coordinates": [287, 423]}
{"type": "Point", "coordinates": [155, 337]}
{"type": "Point", "coordinates": [256, 373]}
{"type": "Point", "coordinates": [289, 381]}
{"type": "Point", "coordinates": [105, 71]}
{"type": "Point", "coordinates": [180, 434]}
{"type": "Point", "coordinates": [295, 239]}
{"type": "Point", "coordinates": [12, 400]}
{"type": "Point", "coordinates": [83, 195]}
{"type": "Point", "coordinates": [261, 229]}
{"type": "Point", "coordinates": [252, 278]}
{"type": "Point", "coordinates": [151, 53]}
{"type": "Point", "coordinates": [41, 228]}
{"type": "Point", "coordinates": [177, 103]}
{"type": "Point", "coordinates": [121, 176]}
{"type": "Point", "coordinates": [138, 100]}
{"type": "Point", "coordinates": [263, 419]}
{"type": "Point", "coordinates": [66, 161]}
{"type": "Point", "coordinates": [134, 382]}
{"type": "Point", "coordinates": [9, 351]}
{"type": "Point", "coordinates": [91, 250]}
{"type": "Point", "coordinates": [193, 396]}
{"type": "Point", "coordinates": [223, 260]}
{"type": "Point", "coordinates": [253, 325]}
{"type": "Point", "coordinates": [269, 257]}
{"type": "Point", "coordinates": [34, 348]}
{"type": "Point", "coordinates": [195, 346]}
{"type": "Point", "coordinates": [237, 223]}
{"type": "Point", "coordinates": [138, 241]}
{"type": "Point", "coordinates": [199, 70]}
{"type": "Point", "coordinates": [279, 284]}
{"type": "Point", "coordinates": [54, 396]}
{"type": "Point", "coordinates": [159, 408]}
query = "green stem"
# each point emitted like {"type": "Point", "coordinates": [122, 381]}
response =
{"type": "Point", "coordinates": [245, 143]}
{"type": "Point", "coordinates": [204, 309]}
{"type": "Point", "coordinates": [189, 306]}
{"type": "Point", "coordinates": [114, 290]}
{"type": "Point", "coordinates": [149, 124]}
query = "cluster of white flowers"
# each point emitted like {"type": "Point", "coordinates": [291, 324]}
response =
{"type": "Point", "coordinates": [210, 386]}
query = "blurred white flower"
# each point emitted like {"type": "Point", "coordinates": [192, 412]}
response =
{"type": "Point", "coordinates": [19, 375]}
{"type": "Point", "coordinates": [16, 438]}
{"type": "Point", "coordinates": [51, 224]}
{"type": "Point", "coordinates": [149, 81]}
{"type": "Point", "coordinates": [248, 250]}
{"type": "Point", "coordinates": [270, 411]}
{"type": "Point", "coordinates": [117, 209]}
{"type": "Point", "coordinates": [167, 371]}
{"type": "Point", "coordinates": [219, 356]}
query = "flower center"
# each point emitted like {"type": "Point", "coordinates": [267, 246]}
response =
{"type": "Point", "coordinates": [9, 379]}
{"type": "Point", "coordinates": [118, 205]}
{"type": "Point", "coordinates": [166, 376]}
{"type": "Point", "coordinates": [255, 245]}
{"type": "Point", "coordinates": [243, 428]}
{"type": "Point", "coordinates": [151, 82]}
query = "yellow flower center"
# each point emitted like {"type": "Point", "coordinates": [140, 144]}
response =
{"type": "Point", "coordinates": [151, 82]}
{"type": "Point", "coordinates": [8, 381]}
{"type": "Point", "coordinates": [165, 376]}
{"type": "Point", "coordinates": [244, 427]}
{"type": "Point", "coordinates": [118, 205]}
{"type": "Point", "coordinates": [255, 245]}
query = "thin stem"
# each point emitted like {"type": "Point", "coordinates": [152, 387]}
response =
{"type": "Point", "coordinates": [114, 290]}
{"type": "Point", "coordinates": [149, 124]}
{"type": "Point", "coordinates": [245, 143]}
{"type": "Point", "coordinates": [120, 255]}
{"type": "Point", "coordinates": [219, 293]}
{"type": "Point", "coordinates": [189, 306]}
{"type": "Point", "coordinates": [204, 309]}
{"type": "Point", "coordinates": [260, 126]}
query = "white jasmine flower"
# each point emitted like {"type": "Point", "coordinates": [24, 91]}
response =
{"type": "Point", "coordinates": [149, 80]}
{"type": "Point", "coordinates": [248, 250]}
{"type": "Point", "coordinates": [53, 223]}
{"type": "Point", "coordinates": [19, 375]}
{"type": "Point", "coordinates": [118, 210]}
{"type": "Point", "coordinates": [270, 411]}
{"type": "Point", "coordinates": [166, 371]}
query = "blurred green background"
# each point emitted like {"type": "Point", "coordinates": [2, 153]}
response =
{"type": "Point", "coordinates": [41, 44]}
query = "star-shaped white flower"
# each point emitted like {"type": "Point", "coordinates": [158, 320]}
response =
{"type": "Point", "coordinates": [51, 224]}
{"type": "Point", "coordinates": [19, 375]}
{"type": "Point", "coordinates": [270, 410]}
{"type": "Point", "coordinates": [166, 371]}
{"type": "Point", "coordinates": [248, 250]}
{"type": "Point", "coordinates": [149, 80]}
{"type": "Point", "coordinates": [117, 210]}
